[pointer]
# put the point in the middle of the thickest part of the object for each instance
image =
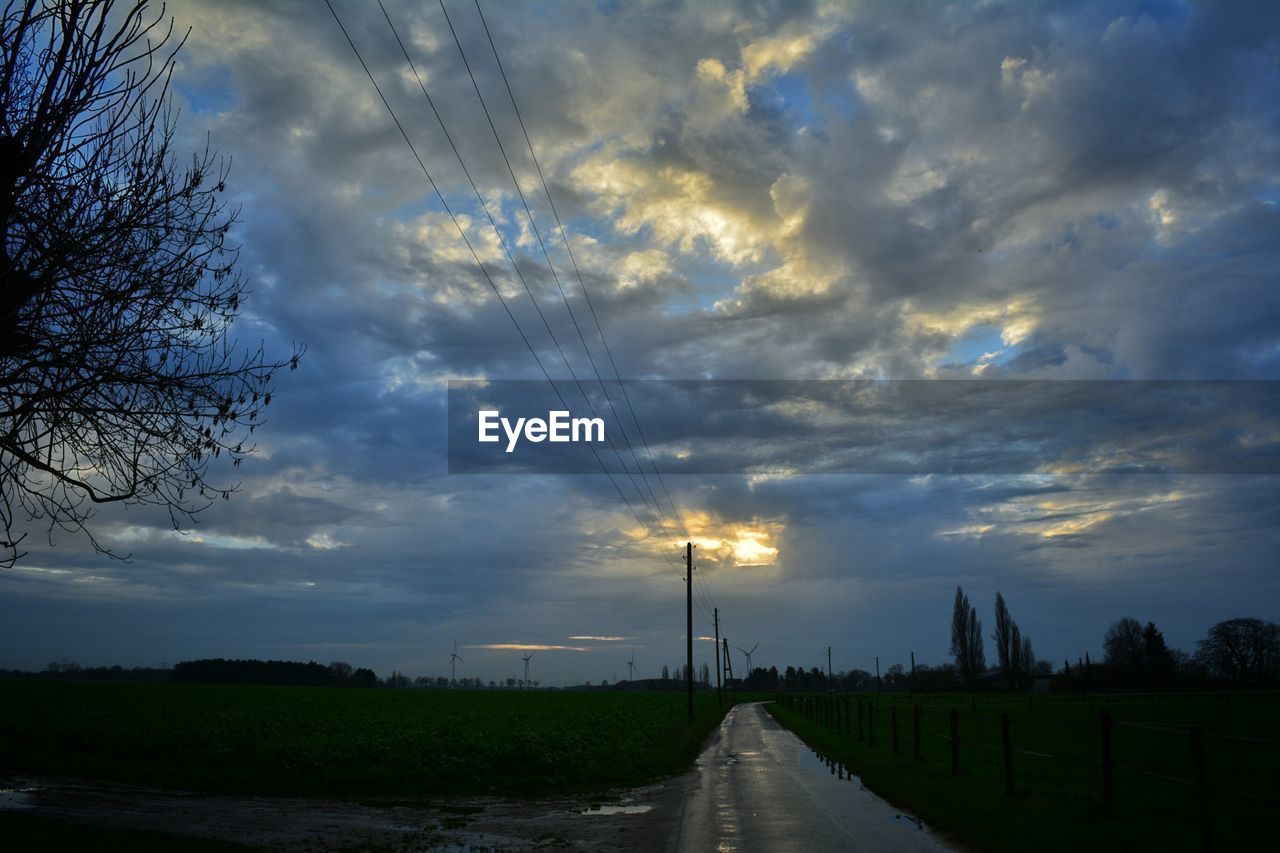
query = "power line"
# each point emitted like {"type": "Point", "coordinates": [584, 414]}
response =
{"type": "Point", "coordinates": [413, 149]}
{"type": "Point", "coordinates": [550, 264]}
{"type": "Point", "coordinates": [564, 235]}
{"type": "Point", "coordinates": [516, 267]}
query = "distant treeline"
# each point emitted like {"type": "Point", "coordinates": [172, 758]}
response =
{"type": "Point", "coordinates": [75, 672]}
{"type": "Point", "coordinates": [277, 672]}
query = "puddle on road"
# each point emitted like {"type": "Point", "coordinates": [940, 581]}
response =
{"type": "Point", "coordinates": [16, 798]}
{"type": "Point", "coordinates": [597, 809]}
{"type": "Point", "coordinates": [815, 762]}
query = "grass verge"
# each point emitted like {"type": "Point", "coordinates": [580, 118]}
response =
{"type": "Point", "coordinates": [1057, 802]}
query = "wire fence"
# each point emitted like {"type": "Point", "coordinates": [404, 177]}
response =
{"type": "Point", "coordinates": [1218, 751]}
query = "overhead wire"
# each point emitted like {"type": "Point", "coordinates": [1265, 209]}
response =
{"type": "Point", "coordinates": [547, 255]}
{"type": "Point", "coordinates": [484, 271]}
{"type": "Point", "coordinates": [564, 236]}
{"type": "Point", "coordinates": [515, 266]}
{"type": "Point", "coordinates": [706, 595]}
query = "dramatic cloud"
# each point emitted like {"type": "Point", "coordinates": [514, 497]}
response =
{"type": "Point", "coordinates": [773, 191]}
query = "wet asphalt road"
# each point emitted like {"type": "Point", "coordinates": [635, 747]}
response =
{"type": "Point", "coordinates": [761, 789]}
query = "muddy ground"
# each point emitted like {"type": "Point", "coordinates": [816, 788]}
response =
{"type": "Point", "coordinates": [638, 819]}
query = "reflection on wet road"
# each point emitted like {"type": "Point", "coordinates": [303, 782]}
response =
{"type": "Point", "coordinates": [761, 788]}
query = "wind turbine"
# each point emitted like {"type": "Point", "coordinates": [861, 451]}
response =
{"type": "Point", "coordinates": [631, 666]}
{"type": "Point", "coordinates": [526, 659]}
{"type": "Point", "coordinates": [748, 654]}
{"type": "Point", "coordinates": [453, 659]}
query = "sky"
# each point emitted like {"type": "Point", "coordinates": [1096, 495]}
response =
{"type": "Point", "coordinates": [757, 191]}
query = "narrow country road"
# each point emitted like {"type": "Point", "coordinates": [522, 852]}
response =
{"type": "Point", "coordinates": [759, 788]}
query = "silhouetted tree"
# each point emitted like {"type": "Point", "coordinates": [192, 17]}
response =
{"type": "Point", "coordinates": [293, 673]}
{"type": "Point", "coordinates": [1003, 637]}
{"type": "Point", "coordinates": [119, 380]}
{"type": "Point", "coordinates": [1027, 663]}
{"type": "Point", "coordinates": [1013, 675]}
{"type": "Point", "coordinates": [1016, 659]}
{"type": "Point", "coordinates": [1243, 651]}
{"type": "Point", "coordinates": [340, 673]}
{"type": "Point", "coordinates": [966, 639]}
{"type": "Point", "coordinates": [1123, 644]}
{"type": "Point", "coordinates": [1158, 658]}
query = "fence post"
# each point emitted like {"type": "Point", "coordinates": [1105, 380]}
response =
{"type": "Point", "coordinates": [1008, 754]}
{"type": "Point", "coordinates": [915, 714]}
{"type": "Point", "coordinates": [893, 727]}
{"type": "Point", "coordinates": [1104, 719]}
{"type": "Point", "coordinates": [955, 742]}
{"type": "Point", "coordinates": [1202, 787]}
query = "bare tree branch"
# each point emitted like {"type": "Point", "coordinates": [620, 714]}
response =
{"type": "Point", "coordinates": [119, 377]}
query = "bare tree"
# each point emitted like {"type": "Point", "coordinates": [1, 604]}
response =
{"type": "Point", "coordinates": [1124, 644]}
{"type": "Point", "coordinates": [1244, 651]}
{"type": "Point", "coordinates": [119, 377]}
{"type": "Point", "coordinates": [966, 639]}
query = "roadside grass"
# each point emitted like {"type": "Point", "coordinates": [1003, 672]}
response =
{"type": "Point", "coordinates": [1057, 801]}
{"type": "Point", "coordinates": [348, 742]}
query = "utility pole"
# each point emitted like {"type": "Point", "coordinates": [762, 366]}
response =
{"type": "Point", "coordinates": [879, 683]}
{"type": "Point", "coordinates": [688, 612]}
{"type": "Point", "coordinates": [830, 680]}
{"type": "Point", "coordinates": [728, 665]}
{"type": "Point", "coordinates": [719, 686]}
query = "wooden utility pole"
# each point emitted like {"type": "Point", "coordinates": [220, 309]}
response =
{"type": "Point", "coordinates": [719, 686]}
{"type": "Point", "coordinates": [688, 613]}
{"type": "Point", "coordinates": [728, 664]}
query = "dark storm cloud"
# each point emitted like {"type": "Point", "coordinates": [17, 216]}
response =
{"type": "Point", "coordinates": [868, 426]}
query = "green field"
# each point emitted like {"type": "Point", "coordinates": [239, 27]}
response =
{"type": "Point", "coordinates": [1057, 769]}
{"type": "Point", "coordinates": [335, 741]}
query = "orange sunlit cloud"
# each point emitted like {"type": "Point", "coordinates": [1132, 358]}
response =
{"type": "Point", "coordinates": [598, 639]}
{"type": "Point", "coordinates": [741, 544]}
